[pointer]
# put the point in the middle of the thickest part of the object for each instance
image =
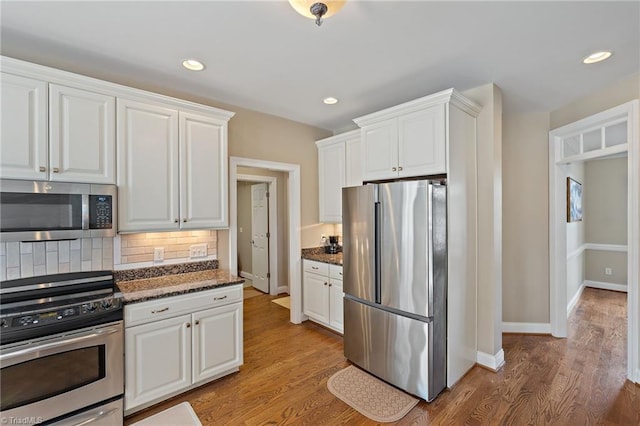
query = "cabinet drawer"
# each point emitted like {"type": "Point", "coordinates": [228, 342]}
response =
{"type": "Point", "coordinates": [168, 307]}
{"type": "Point", "coordinates": [335, 271]}
{"type": "Point", "coordinates": [316, 267]}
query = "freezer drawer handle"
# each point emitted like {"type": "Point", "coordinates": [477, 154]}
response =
{"type": "Point", "coordinates": [160, 310]}
{"type": "Point", "coordinates": [220, 298]}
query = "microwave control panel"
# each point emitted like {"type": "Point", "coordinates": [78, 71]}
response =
{"type": "Point", "coordinates": [100, 212]}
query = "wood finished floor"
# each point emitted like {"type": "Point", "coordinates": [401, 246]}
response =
{"type": "Point", "coordinates": [574, 381]}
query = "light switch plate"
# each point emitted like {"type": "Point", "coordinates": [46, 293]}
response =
{"type": "Point", "coordinates": [198, 250]}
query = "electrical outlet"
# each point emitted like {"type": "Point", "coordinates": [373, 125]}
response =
{"type": "Point", "coordinates": [608, 271]}
{"type": "Point", "coordinates": [323, 238]}
{"type": "Point", "coordinates": [198, 250]}
{"type": "Point", "coordinates": [158, 254]}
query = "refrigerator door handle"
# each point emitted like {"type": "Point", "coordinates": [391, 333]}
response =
{"type": "Point", "coordinates": [378, 251]}
{"type": "Point", "coordinates": [430, 247]}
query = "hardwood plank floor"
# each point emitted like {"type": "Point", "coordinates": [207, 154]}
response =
{"type": "Point", "coordinates": [546, 381]}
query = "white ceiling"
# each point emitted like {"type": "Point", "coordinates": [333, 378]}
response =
{"type": "Point", "coordinates": [262, 55]}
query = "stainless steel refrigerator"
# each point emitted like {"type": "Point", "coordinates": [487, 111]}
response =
{"type": "Point", "coordinates": [395, 282]}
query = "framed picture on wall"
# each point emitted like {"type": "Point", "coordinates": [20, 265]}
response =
{"type": "Point", "coordinates": [574, 200]}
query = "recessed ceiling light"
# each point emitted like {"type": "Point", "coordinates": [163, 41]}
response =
{"type": "Point", "coordinates": [193, 65]}
{"type": "Point", "coordinates": [597, 57]}
{"type": "Point", "coordinates": [330, 100]}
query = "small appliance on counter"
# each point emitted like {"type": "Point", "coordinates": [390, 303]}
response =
{"type": "Point", "coordinates": [332, 247]}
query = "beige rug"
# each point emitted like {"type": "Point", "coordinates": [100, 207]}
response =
{"type": "Point", "coordinates": [283, 301]}
{"type": "Point", "coordinates": [178, 415]}
{"type": "Point", "coordinates": [370, 396]}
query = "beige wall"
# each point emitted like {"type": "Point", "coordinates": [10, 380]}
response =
{"type": "Point", "coordinates": [605, 212]}
{"type": "Point", "coordinates": [244, 227]}
{"type": "Point", "coordinates": [525, 218]}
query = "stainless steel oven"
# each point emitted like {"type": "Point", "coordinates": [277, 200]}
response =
{"type": "Point", "coordinates": [33, 210]}
{"type": "Point", "coordinates": [62, 351]}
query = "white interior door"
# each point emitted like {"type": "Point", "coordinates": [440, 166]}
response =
{"type": "Point", "coordinates": [260, 236]}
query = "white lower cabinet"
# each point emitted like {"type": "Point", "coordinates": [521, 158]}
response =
{"type": "Point", "coordinates": [322, 294]}
{"type": "Point", "coordinates": [176, 343]}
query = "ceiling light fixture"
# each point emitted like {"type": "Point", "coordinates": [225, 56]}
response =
{"type": "Point", "coordinates": [315, 9]}
{"type": "Point", "coordinates": [597, 57]}
{"type": "Point", "coordinates": [330, 100]}
{"type": "Point", "coordinates": [193, 65]}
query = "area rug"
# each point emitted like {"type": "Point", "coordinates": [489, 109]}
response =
{"type": "Point", "coordinates": [370, 396]}
{"type": "Point", "coordinates": [181, 414]}
{"type": "Point", "coordinates": [283, 301]}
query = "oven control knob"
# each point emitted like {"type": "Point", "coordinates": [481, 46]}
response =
{"type": "Point", "coordinates": [4, 324]}
{"type": "Point", "coordinates": [106, 304]}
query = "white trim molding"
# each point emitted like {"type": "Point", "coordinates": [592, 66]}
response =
{"type": "Point", "coordinates": [606, 286]}
{"type": "Point", "coordinates": [577, 252]}
{"type": "Point", "coordinates": [606, 247]}
{"type": "Point", "coordinates": [247, 275]}
{"type": "Point", "coordinates": [526, 327]}
{"type": "Point", "coordinates": [492, 362]}
{"type": "Point", "coordinates": [574, 301]}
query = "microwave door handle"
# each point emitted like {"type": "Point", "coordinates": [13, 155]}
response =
{"type": "Point", "coordinates": [85, 211]}
{"type": "Point", "coordinates": [65, 342]}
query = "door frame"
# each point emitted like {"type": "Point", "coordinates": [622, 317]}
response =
{"type": "Point", "coordinates": [293, 211]}
{"type": "Point", "coordinates": [272, 187]}
{"type": "Point", "coordinates": [557, 229]}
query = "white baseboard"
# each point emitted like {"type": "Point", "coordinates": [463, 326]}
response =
{"type": "Point", "coordinates": [247, 275]}
{"type": "Point", "coordinates": [526, 327]}
{"type": "Point", "coordinates": [283, 289]}
{"type": "Point", "coordinates": [492, 362]}
{"type": "Point", "coordinates": [574, 301]}
{"type": "Point", "coordinates": [606, 286]}
{"type": "Point", "coordinates": [637, 378]}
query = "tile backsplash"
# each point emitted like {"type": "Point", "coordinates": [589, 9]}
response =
{"type": "Point", "coordinates": [23, 260]}
{"type": "Point", "coordinates": [138, 248]}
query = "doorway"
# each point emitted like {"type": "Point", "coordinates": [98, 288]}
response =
{"type": "Point", "coordinates": [257, 231]}
{"type": "Point", "coordinates": [293, 245]}
{"type": "Point", "coordinates": [611, 133]}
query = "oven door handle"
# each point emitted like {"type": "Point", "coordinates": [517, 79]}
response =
{"type": "Point", "coordinates": [98, 416]}
{"type": "Point", "coordinates": [65, 342]}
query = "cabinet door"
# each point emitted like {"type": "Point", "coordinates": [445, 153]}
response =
{"type": "Point", "coordinates": [380, 150]}
{"type": "Point", "coordinates": [147, 167]}
{"type": "Point", "coordinates": [336, 316]}
{"type": "Point", "coordinates": [331, 171]}
{"type": "Point", "coordinates": [421, 144]}
{"type": "Point", "coordinates": [353, 159]}
{"type": "Point", "coordinates": [315, 297]}
{"type": "Point", "coordinates": [82, 139]}
{"type": "Point", "coordinates": [217, 341]}
{"type": "Point", "coordinates": [23, 152]}
{"type": "Point", "coordinates": [157, 360]}
{"type": "Point", "coordinates": [203, 172]}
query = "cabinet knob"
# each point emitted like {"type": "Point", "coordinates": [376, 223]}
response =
{"type": "Point", "coordinates": [393, 169]}
{"type": "Point", "coordinates": [325, 283]}
{"type": "Point", "coordinates": [184, 220]}
{"type": "Point", "coordinates": [197, 322]}
{"type": "Point", "coordinates": [43, 169]}
{"type": "Point", "coordinates": [56, 170]}
{"type": "Point", "coordinates": [399, 168]}
{"type": "Point", "coordinates": [188, 325]}
{"type": "Point", "coordinates": [175, 221]}
{"type": "Point", "coordinates": [329, 284]}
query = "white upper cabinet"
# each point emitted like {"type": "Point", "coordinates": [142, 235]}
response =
{"type": "Point", "coordinates": [147, 167]}
{"type": "Point", "coordinates": [82, 139]}
{"type": "Point", "coordinates": [409, 139]}
{"type": "Point", "coordinates": [172, 168]}
{"type": "Point", "coordinates": [339, 165]}
{"type": "Point", "coordinates": [23, 151]}
{"type": "Point", "coordinates": [203, 171]}
{"type": "Point", "coordinates": [74, 143]}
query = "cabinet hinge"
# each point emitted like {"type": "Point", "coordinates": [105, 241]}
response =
{"type": "Point", "coordinates": [268, 195]}
{"type": "Point", "coordinates": [268, 274]}
{"type": "Point", "coordinates": [268, 234]}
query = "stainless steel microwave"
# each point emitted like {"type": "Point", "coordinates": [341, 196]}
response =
{"type": "Point", "coordinates": [37, 211]}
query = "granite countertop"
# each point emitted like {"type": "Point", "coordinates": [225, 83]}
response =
{"type": "Point", "coordinates": [318, 254]}
{"type": "Point", "coordinates": [141, 290]}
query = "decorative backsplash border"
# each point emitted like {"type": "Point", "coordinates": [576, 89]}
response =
{"type": "Point", "coordinates": [157, 271]}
